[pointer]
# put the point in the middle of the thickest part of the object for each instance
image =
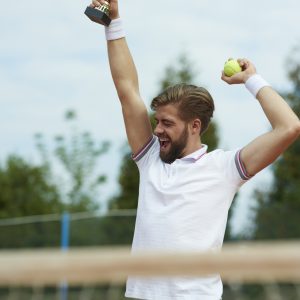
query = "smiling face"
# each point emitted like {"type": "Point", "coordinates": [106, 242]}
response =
{"type": "Point", "coordinates": [182, 114]}
{"type": "Point", "coordinates": [173, 133]}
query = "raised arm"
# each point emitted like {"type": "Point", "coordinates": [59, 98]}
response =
{"type": "Point", "coordinates": [124, 74]}
{"type": "Point", "coordinates": [263, 150]}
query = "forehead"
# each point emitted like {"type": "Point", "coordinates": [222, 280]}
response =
{"type": "Point", "coordinates": [168, 111]}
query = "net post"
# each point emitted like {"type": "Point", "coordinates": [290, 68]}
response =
{"type": "Point", "coordinates": [65, 230]}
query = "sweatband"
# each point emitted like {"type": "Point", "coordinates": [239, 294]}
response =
{"type": "Point", "coordinates": [255, 83]}
{"type": "Point", "coordinates": [115, 30]}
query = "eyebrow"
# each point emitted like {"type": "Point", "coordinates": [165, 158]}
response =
{"type": "Point", "coordinates": [165, 120]}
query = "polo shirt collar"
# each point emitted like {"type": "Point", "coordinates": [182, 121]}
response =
{"type": "Point", "coordinates": [196, 155]}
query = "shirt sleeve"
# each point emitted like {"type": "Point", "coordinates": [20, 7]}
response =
{"type": "Point", "coordinates": [149, 152]}
{"type": "Point", "coordinates": [240, 166]}
{"type": "Point", "coordinates": [232, 166]}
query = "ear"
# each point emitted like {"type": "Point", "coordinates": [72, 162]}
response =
{"type": "Point", "coordinates": [196, 126]}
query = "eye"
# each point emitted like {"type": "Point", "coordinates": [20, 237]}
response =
{"type": "Point", "coordinates": [167, 124]}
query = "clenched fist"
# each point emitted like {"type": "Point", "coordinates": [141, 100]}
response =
{"type": "Point", "coordinates": [248, 69]}
{"type": "Point", "coordinates": [114, 11]}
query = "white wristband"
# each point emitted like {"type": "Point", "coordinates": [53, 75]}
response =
{"type": "Point", "coordinates": [115, 30]}
{"type": "Point", "coordinates": [255, 83]}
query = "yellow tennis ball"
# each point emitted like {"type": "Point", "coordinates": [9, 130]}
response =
{"type": "Point", "coordinates": [232, 67]}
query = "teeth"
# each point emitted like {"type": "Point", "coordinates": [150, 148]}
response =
{"type": "Point", "coordinates": [164, 143]}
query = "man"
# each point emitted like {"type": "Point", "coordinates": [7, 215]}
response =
{"type": "Point", "coordinates": [185, 192]}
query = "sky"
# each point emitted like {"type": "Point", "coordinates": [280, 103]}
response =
{"type": "Point", "coordinates": [53, 58]}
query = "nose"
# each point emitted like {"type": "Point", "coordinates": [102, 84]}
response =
{"type": "Point", "coordinates": [158, 130]}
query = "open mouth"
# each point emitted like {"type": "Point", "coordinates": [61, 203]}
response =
{"type": "Point", "coordinates": [164, 144]}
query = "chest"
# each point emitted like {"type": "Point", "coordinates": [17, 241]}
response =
{"type": "Point", "coordinates": [183, 178]}
{"type": "Point", "coordinates": [183, 194]}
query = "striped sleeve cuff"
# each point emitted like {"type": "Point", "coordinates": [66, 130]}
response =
{"type": "Point", "coordinates": [136, 157]}
{"type": "Point", "coordinates": [240, 166]}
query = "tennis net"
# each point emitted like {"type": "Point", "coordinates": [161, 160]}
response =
{"type": "Point", "coordinates": [269, 270]}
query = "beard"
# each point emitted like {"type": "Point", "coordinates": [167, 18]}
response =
{"type": "Point", "coordinates": [176, 148]}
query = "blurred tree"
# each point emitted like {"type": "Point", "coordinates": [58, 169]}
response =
{"type": "Point", "coordinates": [26, 189]}
{"type": "Point", "coordinates": [278, 210]}
{"type": "Point", "coordinates": [77, 155]}
{"type": "Point", "coordinates": [183, 71]}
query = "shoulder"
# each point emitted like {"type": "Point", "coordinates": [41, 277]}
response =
{"type": "Point", "coordinates": [147, 154]}
{"type": "Point", "coordinates": [230, 162]}
{"type": "Point", "coordinates": [219, 156]}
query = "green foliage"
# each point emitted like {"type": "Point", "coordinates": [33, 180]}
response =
{"type": "Point", "coordinates": [26, 189]}
{"type": "Point", "coordinates": [77, 155]}
{"type": "Point", "coordinates": [210, 136]}
{"type": "Point", "coordinates": [30, 235]}
{"type": "Point", "coordinates": [129, 182]}
{"type": "Point", "coordinates": [278, 210]}
{"type": "Point", "coordinates": [107, 231]}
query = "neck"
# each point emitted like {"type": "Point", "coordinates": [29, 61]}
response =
{"type": "Point", "coordinates": [193, 146]}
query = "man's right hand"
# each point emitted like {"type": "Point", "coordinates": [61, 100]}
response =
{"type": "Point", "coordinates": [114, 10]}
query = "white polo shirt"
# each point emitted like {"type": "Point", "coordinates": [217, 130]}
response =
{"type": "Point", "coordinates": [183, 206]}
